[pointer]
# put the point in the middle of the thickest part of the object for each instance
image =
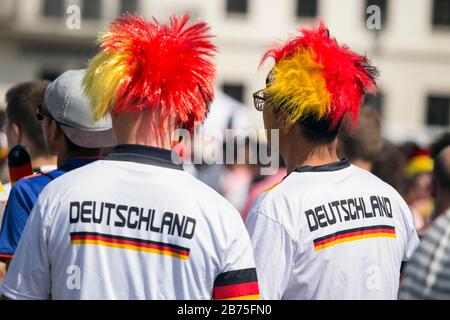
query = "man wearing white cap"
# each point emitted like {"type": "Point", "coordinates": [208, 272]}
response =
{"type": "Point", "coordinates": [69, 133]}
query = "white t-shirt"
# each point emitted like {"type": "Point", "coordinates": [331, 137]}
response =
{"type": "Point", "coordinates": [331, 232]}
{"type": "Point", "coordinates": [133, 226]}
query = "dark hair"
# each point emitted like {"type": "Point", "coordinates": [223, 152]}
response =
{"type": "Point", "coordinates": [389, 166]}
{"type": "Point", "coordinates": [365, 142]}
{"type": "Point", "coordinates": [440, 144]}
{"type": "Point", "coordinates": [441, 171]}
{"type": "Point", "coordinates": [318, 131]}
{"type": "Point", "coordinates": [2, 120]}
{"type": "Point", "coordinates": [21, 102]}
{"type": "Point", "coordinates": [73, 148]}
{"type": "Point", "coordinates": [408, 148]}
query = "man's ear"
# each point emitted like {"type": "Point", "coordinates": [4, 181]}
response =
{"type": "Point", "coordinates": [13, 134]}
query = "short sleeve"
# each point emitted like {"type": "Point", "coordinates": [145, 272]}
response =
{"type": "Point", "coordinates": [18, 208]}
{"type": "Point", "coordinates": [274, 251]}
{"type": "Point", "coordinates": [238, 279]}
{"type": "Point", "coordinates": [28, 277]}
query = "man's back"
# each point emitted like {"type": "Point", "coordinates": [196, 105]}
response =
{"type": "Point", "coordinates": [335, 232]}
{"type": "Point", "coordinates": [136, 226]}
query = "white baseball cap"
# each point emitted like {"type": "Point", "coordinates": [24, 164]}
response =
{"type": "Point", "coordinates": [69, 107]}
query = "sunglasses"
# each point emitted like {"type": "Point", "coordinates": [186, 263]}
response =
{"type": "Point", "coordinates": [259, 100]}
{"type": "Point", "coordinates": [41, 113]}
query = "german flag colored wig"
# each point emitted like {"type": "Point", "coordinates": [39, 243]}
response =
{"type": "Point", "coordinates": [166, 68]}
{"type": "Point", "coordinates": [316, 78]}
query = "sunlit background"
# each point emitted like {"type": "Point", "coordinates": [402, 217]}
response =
{"type": "Point", "coordinates": [412, 48]}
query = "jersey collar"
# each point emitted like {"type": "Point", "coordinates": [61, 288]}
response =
{"type": "Point", "coordinates": [326, 167]}
{"type": "Point", "coordinates": [74, 163]}
{"type": "Point", "coordinates": [145, 155]}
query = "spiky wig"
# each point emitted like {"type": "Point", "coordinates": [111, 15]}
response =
{"type": "Point", "coordinates": [315, 77]}
{"type": "Point", "coordinates": [166, 68]}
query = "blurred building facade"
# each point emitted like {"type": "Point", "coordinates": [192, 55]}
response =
{"type": "Point", "coordinates": [412, 48]}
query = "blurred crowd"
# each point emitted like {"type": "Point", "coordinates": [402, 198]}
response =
{"type": "Point", "coordinates": [408, 167]}
{"type": "Point", "coordinates": [417, 172]}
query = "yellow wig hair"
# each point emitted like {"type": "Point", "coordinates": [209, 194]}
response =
{"type": "Point", "coordinates": [299, 86]}
{"type": "Point", "coordinates": [106, 73]}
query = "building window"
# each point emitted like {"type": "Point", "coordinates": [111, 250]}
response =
{"type": "Point", "coordinates": [441, 13]}
{"type": "Point", "coordinates": [130, 6]}
{"type": "Point", "coordinates": [306, 8]}
{"type": "Point", "coordinates": [438, 110]}
{"type": "Point", "coordinates": [382, 4]}
{"type": "Point", "coordinates": [91, 9]}
{"type": "Point", "coordinates": [237, 6]}
{"type": "Point", "coordinates": [54, 8]}
{"type": "Point", "coordinates": [234, 90]}
{"type": "Point", "coordinates": [375, 101]}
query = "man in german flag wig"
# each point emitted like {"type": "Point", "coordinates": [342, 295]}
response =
{"type": "Point", "coordinates": [317, 83]}
{"type": "Point", "coordinates": [135, 225]}
{"type": "Point", "coordinates": [323, 231]}
{"type": "Point", "coordinates": [163, 72]}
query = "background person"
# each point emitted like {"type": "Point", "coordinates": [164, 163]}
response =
{"type": "Point", "coordinates": [363, 146]}
{"type": "Point", "coordinates": [69, 132]}
{"type": "Point", "coordinates": [389, 166]}
{"type": "Point", "coordinates": [23, 127]}
{"type": "Point", "coordinates": [419, 187]}
{"type": "Point", "coordinates": [426, 275]}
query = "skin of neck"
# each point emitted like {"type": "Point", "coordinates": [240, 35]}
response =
{"type": "Point", "coordinates": [57, 144]}
{"type": "Point", "coordinates": [37, 159]}
{"type": "Point", "coordinates": [299, 152]}
{"type": "Point", "coordinates": [42, 161]}
{"type": "Point", "coordinates": [143, 128]}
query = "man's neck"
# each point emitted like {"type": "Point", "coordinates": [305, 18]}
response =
{"type": "Point", "coordinates": [39, 162]}
{"type": "Point", "coordinates": [63, 157]}
{"type": "Point", "coordinates": [143, 129]}
{"type": "Point", "coordinates": [310, 155]}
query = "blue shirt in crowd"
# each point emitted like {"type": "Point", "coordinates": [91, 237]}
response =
{"type": "Point", "coordinates": [24, 194]}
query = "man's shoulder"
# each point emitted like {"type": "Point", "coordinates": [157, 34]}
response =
{"type": "Point", "coordinates": [371, 181]}
{"type": "Point", "coordinates": [367, 176]}
{"type": "Point", "coordinates": [203, 193]}
{"type": "Point", "coordinates": [78, 172]}
{"type": "Point", "coordinates": [35, 183]}
{"type": "Point", "coordinates": [62, 181]}
{"type": "Point", "coordinates": [273, 203]}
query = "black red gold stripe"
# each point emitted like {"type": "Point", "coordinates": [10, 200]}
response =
{"type": "Point", "coordinates": [129, 244]}
{"type": "Point", "coordinates": [236, 285]}
{"type": "Point", "coordinates": [17, 173]}
{"type": "Point", "coordinates": [378, 231]}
